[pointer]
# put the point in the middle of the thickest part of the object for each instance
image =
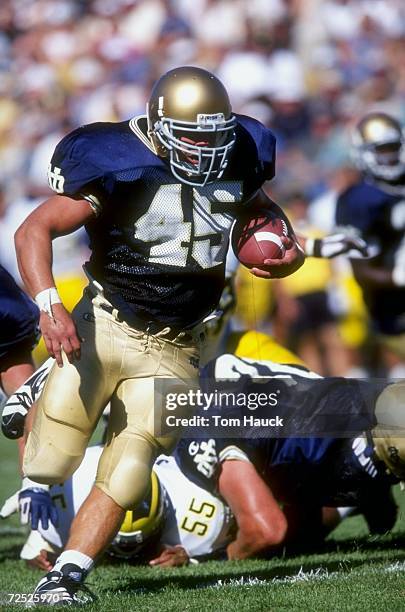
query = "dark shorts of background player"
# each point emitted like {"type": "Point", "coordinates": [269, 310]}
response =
{"type": "Point", "coordinates": [314, 314]}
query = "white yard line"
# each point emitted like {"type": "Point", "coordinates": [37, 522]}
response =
{"type": "Point", "coordinates": [12, 531]}
{"type": "Point", "coordinates": [318, 574]}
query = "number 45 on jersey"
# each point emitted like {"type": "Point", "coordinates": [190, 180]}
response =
{"type": "Point", "coordinates": [179, 234]}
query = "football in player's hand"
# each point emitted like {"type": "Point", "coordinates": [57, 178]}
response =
{"type": "Point", "coordinates": [258, 237]}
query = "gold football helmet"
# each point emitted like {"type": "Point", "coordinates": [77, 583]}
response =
{"type": "Point", "coordinates": [378, 147]}
{"type": "Point", "coordinates": [388, 435]}
{"type": "Point", "coordinates": [141, 527]}
{"type": "Point", "coordinates": [190, 121]}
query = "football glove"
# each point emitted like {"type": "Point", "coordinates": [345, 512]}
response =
{"type": "Point", "coordinates": [36, 506]}
{"type": "Point", "coordinates": [336, 244]}
{"type": "Point", "coordinates": [10, 506]}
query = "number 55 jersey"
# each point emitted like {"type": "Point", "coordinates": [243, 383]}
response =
{"type": "Point", "coordinates": [192, 516]}
{"type": "Point", "coordinates": [158, 245]}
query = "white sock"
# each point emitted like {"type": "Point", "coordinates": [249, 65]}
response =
{"type": "Point", "coordinates": [73, 556]}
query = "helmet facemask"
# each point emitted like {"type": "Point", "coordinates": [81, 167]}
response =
{"type": "Point", "coordinates": [380, 154]}
{"type": "Point", "coordinates": [190, 122]}
{"type": "Point", "coordinates": [198, 151]}
{"type": "Point", "coordinates": [385, 161]}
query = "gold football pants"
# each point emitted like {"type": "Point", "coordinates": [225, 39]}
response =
{"type": "Point", "coordinates": [118, 364]}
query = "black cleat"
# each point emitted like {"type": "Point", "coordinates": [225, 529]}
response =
{"type": "Point", "coordinates": [60, 588]}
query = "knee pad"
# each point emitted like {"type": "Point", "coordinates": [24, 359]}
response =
{"type": "Point", "coordinates": [124, 470]}
{"type": "Point", "coordinates": [53, 451]}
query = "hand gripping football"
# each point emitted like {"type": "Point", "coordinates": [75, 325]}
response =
{"type": "Point", "coordinates": [258, 237]}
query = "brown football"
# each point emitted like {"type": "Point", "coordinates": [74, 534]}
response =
{"type": "Point", "coordinates": [258, 238]}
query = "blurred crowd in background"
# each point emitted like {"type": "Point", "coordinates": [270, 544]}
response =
{"type": "Point", "coordinates": [306, 68]}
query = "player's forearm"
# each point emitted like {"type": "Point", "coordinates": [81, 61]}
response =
{"type": "Point", "coordinates": [261, 522]}
{"type": "Point", "coordinates": [258, 533]}
{"type": "Point", "coordinates": [242, 549]}
{"type": "Point", "coordinates": [371, 276]}
{"type": "Point", "coordinates": [247, 545]}
{"type": "Point", "coordinates": [33, 244]}
{"type": "Point", "coordinates": [58, 216]}
{"type": "Point", "coordinates": [379, 277]}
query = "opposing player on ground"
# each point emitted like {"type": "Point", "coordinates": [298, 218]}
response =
{"type": "Point", "coordinates": [158, 196]}
{"type": "Point", "coordinates": [19, 333]}
{"type": "Point", "coordinates": [176, 522]}
{"type": "Point", "coordinates": [306, 475]}
{"type": "Point", "coordinates": [257, 473]}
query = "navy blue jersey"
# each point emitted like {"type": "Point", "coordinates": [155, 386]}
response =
{"type": "Point", "coordinates": [317, 469]}
{"type": "Point", "coordinates": [19, 317]}
{"type": "Point", "coordinates": [308, 404]}
{"type": "Point", "coordinates": [310, 471]}
{"type": "Point", "coordinates": [158, 246]}
{"type": "Point", "coordinates": [379, 218]}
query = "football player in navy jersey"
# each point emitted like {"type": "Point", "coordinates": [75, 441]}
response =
{"type": "Point", "coordinates": [19, 333]}
{"type": "Point", "coordinates": [19, 317]}
{"type": "Point", "coordinates": [254, 474]}
{"type": "Point", "coordinates": [158, 196]}
{"type": "Point", "coordinates": [374, 208]}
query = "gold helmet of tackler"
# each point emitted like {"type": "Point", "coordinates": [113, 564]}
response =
{"type": "Point", "coordinates": [389, 433]}
{"type": "Point", "coordinates": [379, 147]}
{"type": "Point", "coordinates": [190, 121]}
{"type": "Point", "coordinates": [142, 526]}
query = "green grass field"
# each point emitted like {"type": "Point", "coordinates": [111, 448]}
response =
{"type": "Point", "coordinates": [356, 572]}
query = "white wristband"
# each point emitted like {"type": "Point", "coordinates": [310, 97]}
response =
{"type": "Point", "coordinates": [309, 247]}
{"type": "Point", "coordinates": [46, 298]}
{"type": "Point", "coordinates": [27, 483]}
